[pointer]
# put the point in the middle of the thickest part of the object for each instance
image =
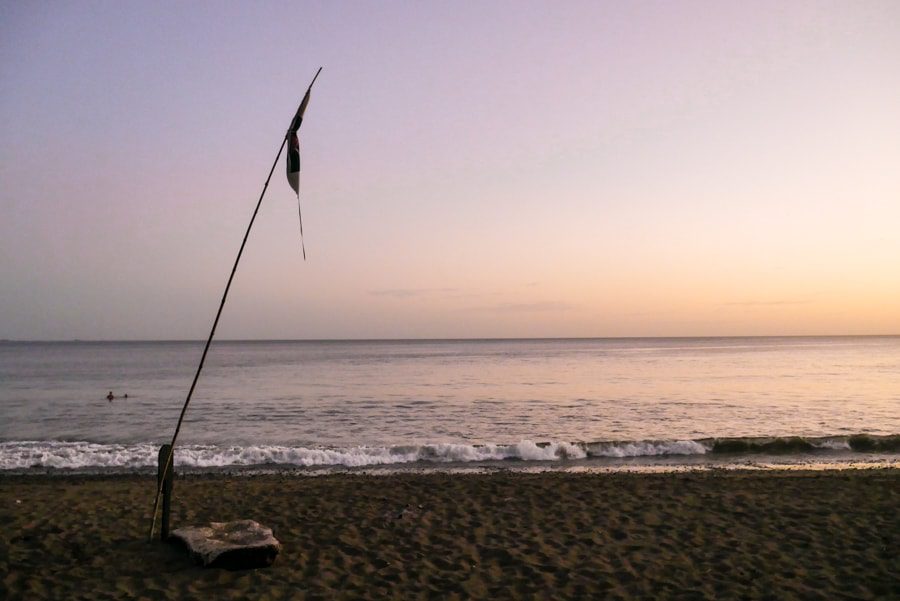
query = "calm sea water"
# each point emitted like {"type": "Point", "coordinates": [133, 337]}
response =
{"type": "Point", "coordinates": [384, 402]}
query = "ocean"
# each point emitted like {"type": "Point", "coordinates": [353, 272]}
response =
{"type": "Point", "coordinates": [313, 406]}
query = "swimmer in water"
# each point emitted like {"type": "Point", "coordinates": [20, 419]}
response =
{"type": "Point", "coordinates": [110, 396]}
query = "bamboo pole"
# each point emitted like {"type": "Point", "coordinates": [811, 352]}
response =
{"type": "Point", "coordinates": [212, 332]}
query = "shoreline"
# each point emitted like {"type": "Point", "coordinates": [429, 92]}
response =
{"type": "Point", "coordinates": [641, 465]}
{"type": "Point", "coordinates": [506, 534]}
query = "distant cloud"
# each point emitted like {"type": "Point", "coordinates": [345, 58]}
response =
{"type": "Point", "coordinates": [412, 292]}
{"type": "Point", "coordinates": [395, 292]}
{"type": "Point", "coordinates": [421, 293]}
{"type": "Point", "coordinates": [527, 307]}
{"type": "Point", "coordinates": [767, 303]}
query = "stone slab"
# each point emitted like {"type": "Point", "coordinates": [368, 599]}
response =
{"type": "Point", "coordinates": [238, 545]}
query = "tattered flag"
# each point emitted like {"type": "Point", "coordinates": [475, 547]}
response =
{"type": "Point", "coordinates": [293, 155]}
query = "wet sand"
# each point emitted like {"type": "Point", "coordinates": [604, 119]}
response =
{"type": "Point", "coordinates": [702, 535]}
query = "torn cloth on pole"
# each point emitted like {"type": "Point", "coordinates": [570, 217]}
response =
{"type": "Point", "coordinates": [293, 157]}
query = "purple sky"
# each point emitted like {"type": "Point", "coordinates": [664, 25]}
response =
{"type": "Point", "coordinates": [470, 169]}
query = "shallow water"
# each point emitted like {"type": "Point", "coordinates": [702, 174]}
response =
{"type": "Point", "coordinates": [377, 402]}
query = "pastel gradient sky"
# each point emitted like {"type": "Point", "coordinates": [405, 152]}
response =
{"type": "Point", "coordinates": [470, 169]}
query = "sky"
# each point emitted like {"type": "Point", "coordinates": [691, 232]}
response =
{"type": "Point", "coordinates": [469, 169]}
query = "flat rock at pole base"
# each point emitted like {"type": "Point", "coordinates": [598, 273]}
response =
{"type": "Point", "coordinates": [238, 545]}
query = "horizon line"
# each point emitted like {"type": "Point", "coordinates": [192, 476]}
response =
{"type": "Point", "coordinates": [470, 339]}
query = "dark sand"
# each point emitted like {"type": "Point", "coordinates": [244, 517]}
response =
{"type": "Point", "coordinates": [713, 535]}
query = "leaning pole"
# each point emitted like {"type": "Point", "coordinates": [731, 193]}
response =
{"type": "Point", "coordinates": [162, 477]}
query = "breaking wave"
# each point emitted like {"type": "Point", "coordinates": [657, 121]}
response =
{"type": "Point", "coordinates": [26, 455]}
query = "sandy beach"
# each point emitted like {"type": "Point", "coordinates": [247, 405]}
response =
{"type": "Point", "coordinates": [699, 535]}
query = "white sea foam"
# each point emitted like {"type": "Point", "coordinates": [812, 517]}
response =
{"type": "Point", "coordinates": [25, 455]}
{"type": "Point", "coordinates": [834, 444]}
{"type": "Point", "coordinates": [647, 448]}
{"type": "Point", "coordinates": [20, 455]}
{"type": "Point", "coordinates": [73, 455]}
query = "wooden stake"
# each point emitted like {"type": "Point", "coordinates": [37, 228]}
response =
{"type": "Point", "coordinates": [165, 479]}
